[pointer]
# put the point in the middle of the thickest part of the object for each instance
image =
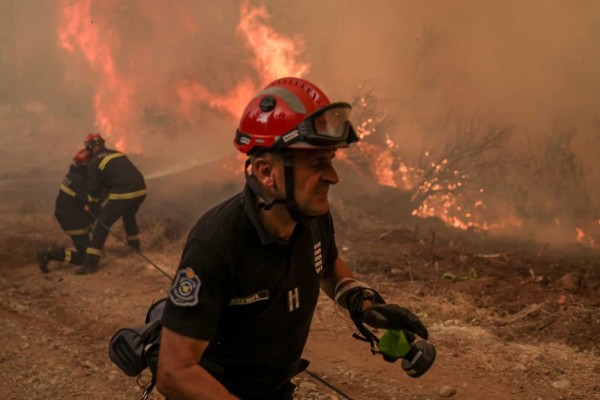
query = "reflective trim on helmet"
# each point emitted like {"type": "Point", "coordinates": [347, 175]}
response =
{"type": "Point", "coordinates": [289, 97]}
{"type": "Point", "coordinates": [291, 113]}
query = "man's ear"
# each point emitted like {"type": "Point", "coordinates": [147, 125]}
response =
{"type": "Point", "coordinates": [262, 169]}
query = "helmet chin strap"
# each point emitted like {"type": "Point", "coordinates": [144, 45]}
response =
{"type": "Point", "coordinates": [289, 202]}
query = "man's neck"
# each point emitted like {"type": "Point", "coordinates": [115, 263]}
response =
{"type": "Point", "coordinates": [277, 221]}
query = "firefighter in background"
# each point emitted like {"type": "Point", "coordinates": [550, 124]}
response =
{"type": "Point", "coordinates": [71, 215]}
{"type": "Point", "coordinates": [116, 189]}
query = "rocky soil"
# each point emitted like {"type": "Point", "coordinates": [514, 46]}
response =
{"type": "Point", "coordinates": [509, 321]}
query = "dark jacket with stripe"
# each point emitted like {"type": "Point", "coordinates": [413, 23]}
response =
{"type": "Point", "coordinates": [111, 175]}
{"type": "Point", "coordinates": [71, 199]}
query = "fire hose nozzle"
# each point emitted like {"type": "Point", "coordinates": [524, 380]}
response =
{"type": "Point", "coordinates": [417, 355]}
{"type": "Point", "coordinates": [419, 359]}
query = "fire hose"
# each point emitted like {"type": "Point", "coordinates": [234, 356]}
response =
{"type": "Point", "coordinates": [138, 252]}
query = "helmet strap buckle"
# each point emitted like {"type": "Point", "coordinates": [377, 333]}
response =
{"type": "Point", "coordinates": [289, 201]}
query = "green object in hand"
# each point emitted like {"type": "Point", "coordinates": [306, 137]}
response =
{"type": "Point", "coordinates": [393, 343]}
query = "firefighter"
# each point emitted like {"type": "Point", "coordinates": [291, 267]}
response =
{"type": "Point", "coordinates": [71, 215]}
{"type": "Point", "coordinates": [116, 189]}
{"type": "Point", "coordinates": [240, 308]}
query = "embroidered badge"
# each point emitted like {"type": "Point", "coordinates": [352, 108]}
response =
{"type": "Point", "coordinates": [253, 298]}
{"type": "Point", "coordinates": [186, 288]}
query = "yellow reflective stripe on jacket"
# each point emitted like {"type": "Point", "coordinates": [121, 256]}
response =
{"type": "Point", "coordinates": [67, 255]}
{"type": "Point", "coordinates": [124, 196]}
{"type": "Point", "coordinates": [91, 250]}
{"type": "Point", "coordinates": [83, 231]}
{"type": "Point", "coordinates": [93, 199]}
{"type": "Point", "coordinates": [76, 232]}
{"type": "Point", "coordinates": [67, 190]}
{"type": "Point", "coordinates": [106, 159]}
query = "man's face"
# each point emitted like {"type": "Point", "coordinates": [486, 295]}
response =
{"type": "Point", "coordinates": [313, 174]}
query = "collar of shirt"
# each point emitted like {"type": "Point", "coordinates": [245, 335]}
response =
{"type": "Point", "coordinates": [251, 208]}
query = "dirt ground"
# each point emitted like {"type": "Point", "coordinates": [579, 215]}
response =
{"type": "Point", "coordinates": [510, 320]}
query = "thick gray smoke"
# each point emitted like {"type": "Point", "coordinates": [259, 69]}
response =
{"type": "Point", "coordinates": [529, 67]}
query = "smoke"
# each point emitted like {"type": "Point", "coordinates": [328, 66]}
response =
{"type": "Point", "coordinates": [527, 64]}
{"type": "Point", "coordinates": [166, 79]}
{"type": "Point", "coordinates": [527, 68]}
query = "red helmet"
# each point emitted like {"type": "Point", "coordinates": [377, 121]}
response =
{"type": "Point", "coordinates": [293, 113]}
{"type": "Point", "coordinates": [93, 139]}
{"type": "Point", "coordinates": [82, 157]}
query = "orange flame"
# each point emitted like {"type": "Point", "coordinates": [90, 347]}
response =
{"type": "Point", "coordinates": [120, 88]}
{"type": "Point", "coordinates": [585, 238]}
{"type": "Point", "coordinates": [112, 102]}
{"type": "Point", "coordinates": [274, 56]}
{"type": "Point", "coordinates": [191, 92]}
{"type": "Point", "coordinates": [580, 234]}
{"type": "Point", "coordinates": [438, 190]}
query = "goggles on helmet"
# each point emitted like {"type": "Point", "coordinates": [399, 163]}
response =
{"type": "Point", "coordinates": [328, 126]}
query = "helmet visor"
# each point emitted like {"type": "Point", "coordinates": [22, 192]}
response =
{"type": "Point", "coordinates": [328, 126]}
{"type": "Point", "coordinates": [332, 122]}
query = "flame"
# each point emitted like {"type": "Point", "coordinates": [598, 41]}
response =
{"type": "Point", "coordinates": [274, 56]}
{"type": "Point", "coordinates": [121, 99]}
{"type": "Point", "coordinates": [437, 190]}
{"type": "Point", "coordinates": [112, 101]}
{"type": "Point", "coordinates": [191, 92]}
{"type": "Point", "coordinates": [584, 237]}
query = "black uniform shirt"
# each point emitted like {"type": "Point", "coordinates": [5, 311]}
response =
{"type": "Point", "coordinates": [248, 293]}
{"type": "Point", "coordinates": [112, 172]}
{"type": "Point", "coordinates": [71, 198]}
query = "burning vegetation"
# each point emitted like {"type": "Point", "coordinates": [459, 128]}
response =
{"type": "Point", "coordinates": [471, 177]}
{"type": "Point", "coordinates": [167, 87]}
{"type": "Point", "coordinates": [468, 173]}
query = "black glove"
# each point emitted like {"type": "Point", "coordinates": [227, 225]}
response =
{"type": "Point", "coordinates": [392, 316]}
{"type": "Point", "coordinates": [380, 315]}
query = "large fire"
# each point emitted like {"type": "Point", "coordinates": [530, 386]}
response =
{"type": "Point", "coordinates": [86, 29]}
{"type": "Point", "coordinates": [274, 56]}
{"type": "Point", "coordinates": [112, 101]}
{"type": "Point", "coordinates": [437, 186]}
{"type": "Point", "coordinates": [439, 189]}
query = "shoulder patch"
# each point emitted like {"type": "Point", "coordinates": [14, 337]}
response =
{"type": "Point", "coordinates": [186, 288]}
